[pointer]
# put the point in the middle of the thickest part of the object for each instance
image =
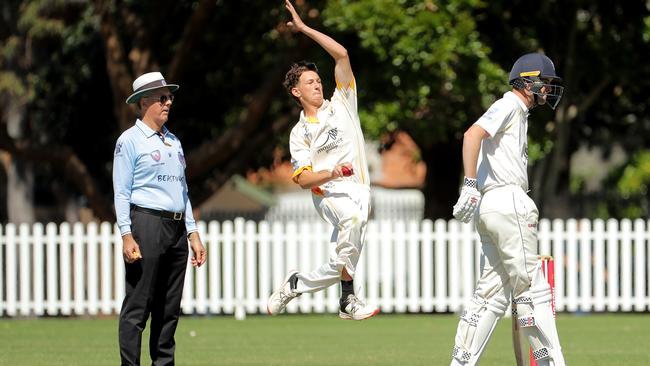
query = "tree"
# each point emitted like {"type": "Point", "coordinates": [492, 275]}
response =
{"type": "Point", "coordinates": [229, 65]}
{"type": "Point", "coordinates": [428, 73]}
{"type": "Point", "coordinates": [600, 51]}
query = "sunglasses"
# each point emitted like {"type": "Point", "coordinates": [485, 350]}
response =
{"type": "Point", "coordinates": [163, 98]}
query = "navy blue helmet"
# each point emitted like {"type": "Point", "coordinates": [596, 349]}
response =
{"type": "Point", "coordinates": [538, 71]}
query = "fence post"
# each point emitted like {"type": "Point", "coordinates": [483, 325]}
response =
{"type": "Point", "coordinates": [571, 263]}
{"type": "Point", "coordinates": [25, 278]}
{"type": "Point", "coordinates": [640, 260]}
{"type": "Point", "coordinates": [11, 274]}
{"type": "Point", "coordinates": [251, 230]}
{"type": "Point", "coordinates": [612, 265]}
{"type": "Point", "coordinates": [586, 296]}
{"type": "Point", "coordinates": [39, 267]}
{"type": "Point", "coordinates": [414, 268]}
{"type": "Point", "coordinates": [79, 242]}
{"type": "Point", "coordinates": [386, 260]}
{"type": "Point", "coordinates": [92, 265]}
{"type": "Point", "coordinates": [106, 281]}
{"type": "Point", "coordinates": [65, 277]}
{"type": "Point", "coordinates": [426, 262]}
{"type": "Point", "coordinates": [200, 273]}
{"type": "Point", "coordinates": [2, 274]}
{"type": "Point", "coordinates": [51, 242]}
{"type": "Point", "coordinates": [559, 247]}
{"type": "Point", "coordinates": [399, 248]}
{"type": "Point", "coordinates": [626, 265]}
{"type": "Point", "coordinates": [240, 273]}
{"type": "Point", "coordinates": [442, 269]}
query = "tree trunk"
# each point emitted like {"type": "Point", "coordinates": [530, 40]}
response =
{"type": "Point", "coordinates": [444, 166]}
{"type": "Point", "coordinates": [4, 163]}
{"type": "Point", "coordinates": [20, 173]}
{"type": "Point", "coordinates": [116, 65]}
{"type": "Point", "coordinates": [20, 192]}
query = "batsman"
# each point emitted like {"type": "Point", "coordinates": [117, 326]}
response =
{"type": "Point", "coordinates": [494, 193]}
{"type": "Point", "coordinates": [328, 156]}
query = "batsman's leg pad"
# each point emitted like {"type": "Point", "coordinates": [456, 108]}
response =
{"type": "Point", "coordinates": [520, 345]}
{"type": "Point", "coordinates": [476, 325]}
{"type": "Point", "coordinates": [536, 322]}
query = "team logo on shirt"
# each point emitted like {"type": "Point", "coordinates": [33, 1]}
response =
{"type": "Point", "coordinates": [331, 142]}
{"type": "Point", "coordinates": [181, 159]}
{"type": "Point", "coordinates": [118, 148]}
{"type": "Point", "coordinates": [155, 155]}
{"type": "Point", "coordinates": [525, 154]}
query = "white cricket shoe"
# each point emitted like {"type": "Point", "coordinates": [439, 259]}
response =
{"type": "Point", "coordinates": [281, 297]}
{"type": "Point", "coordinates": [355, 309]}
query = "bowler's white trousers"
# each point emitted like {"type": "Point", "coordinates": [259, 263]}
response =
{"type": "Point", "coordinates": [347, 208]}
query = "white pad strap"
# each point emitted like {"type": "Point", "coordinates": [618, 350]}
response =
{"type": "Point", "coordinates": [476, 325]}
{"type": "Point", "coordinates": [541, 354]}
{"type": "Point", "coordinates": [520, 346]}
{"type": "Point", "coordinates": [526, 321]}
{"type": "Point", "coordinates": [535, 320]}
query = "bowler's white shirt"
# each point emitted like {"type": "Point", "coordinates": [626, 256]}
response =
{"type": "Point", "coordinates": [503, 159]}
{"type": "Point", "coordinates": [334, 137]}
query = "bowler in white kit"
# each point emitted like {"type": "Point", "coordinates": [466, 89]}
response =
{"type": "Point", "coordinates": [328, 156]}
{"type": "Point", "coordinates": [494, 194]}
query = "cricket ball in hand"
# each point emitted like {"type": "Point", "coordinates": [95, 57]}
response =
{"type": "Point", "coordinates": [346, 171]}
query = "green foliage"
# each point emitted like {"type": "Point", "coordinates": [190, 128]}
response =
{"type": "Point", "coordinates": [10, 83]}
{"type": "Point", "coordinates": [432, 73]}
{"type": "Point", "coordinates": [430, 68]}
{"type": "Point", "coordinates": [36, 24]}
{"type": "Point", "coordinates": [636, 176]}
{"type": "Point", "coordinates": [538, 150]}
{"type": "Point", "coordinates": [632, 186]}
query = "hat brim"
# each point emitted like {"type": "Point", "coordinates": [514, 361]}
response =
{"type": "Point", "coordinates": [133, 98]}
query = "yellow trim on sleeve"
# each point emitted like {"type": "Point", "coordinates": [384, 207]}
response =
{"type": "Point", "coordinates": [297, 172]}
{"type": "Point", "coordinates": [351, 86]}
{"type": "Point", "coordinates": [530, 73]}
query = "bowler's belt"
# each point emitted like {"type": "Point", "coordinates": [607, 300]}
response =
{"type": "Point", "coordinates": [166, 214]}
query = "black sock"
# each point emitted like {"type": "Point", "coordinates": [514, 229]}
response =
{"type": "Point", "coordinates": [293, 281]}
{"type": "Point", "coordinates": [347, 288]}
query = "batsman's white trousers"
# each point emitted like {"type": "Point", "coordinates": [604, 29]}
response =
{"type": "Point", "coordinates": [347, 208]}
{"type": "Point", "coordinates": [506, 222]}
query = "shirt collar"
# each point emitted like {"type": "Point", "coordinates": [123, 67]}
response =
{"type": "Point", "coordinates": [513, 96]}
{"type": "Point", "coordinates": [147, 131]}
{"type": "Point", "coordinates": [304, 119]}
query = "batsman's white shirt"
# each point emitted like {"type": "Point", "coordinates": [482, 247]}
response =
{"type": "Point", "coordinates": [506, 221]}
{"type": "Point", "coordinates": [335, 137]}
{"type": "Point", "coordinates": [504, 155]}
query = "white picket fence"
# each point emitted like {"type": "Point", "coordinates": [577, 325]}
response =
{"type": "Point", "coordinates": [413, 266]}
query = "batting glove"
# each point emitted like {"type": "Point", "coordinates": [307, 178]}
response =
{"type": "Point", "coordinates": [468, 201]}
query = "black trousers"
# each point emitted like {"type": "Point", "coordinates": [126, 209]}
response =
{"type": "Point", "coordinates": [154, 286]}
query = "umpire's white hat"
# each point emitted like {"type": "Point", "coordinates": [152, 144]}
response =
{"type": "Point", "coordinates": [147, 82]}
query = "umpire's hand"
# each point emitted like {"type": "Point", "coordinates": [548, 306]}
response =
{"type": "Point", "coordinates": [130, 249]}
{"type": "Point", "coordinates": [198, 249]}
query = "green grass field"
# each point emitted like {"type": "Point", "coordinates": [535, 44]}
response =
{"type": "Point", "coordinates": [607, 340]}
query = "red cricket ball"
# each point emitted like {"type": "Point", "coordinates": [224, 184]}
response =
{"type": "Point", "coordinates": [347, 171]}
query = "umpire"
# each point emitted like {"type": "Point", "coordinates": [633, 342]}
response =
{"type": "Point", "coordinates": [155, 219]}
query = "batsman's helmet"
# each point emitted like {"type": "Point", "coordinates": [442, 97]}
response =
{"type": "Point", "coordinates": [538, 71]}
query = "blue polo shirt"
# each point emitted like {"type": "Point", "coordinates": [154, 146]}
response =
{"type": "Point", "coordinates": [149, 171]}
